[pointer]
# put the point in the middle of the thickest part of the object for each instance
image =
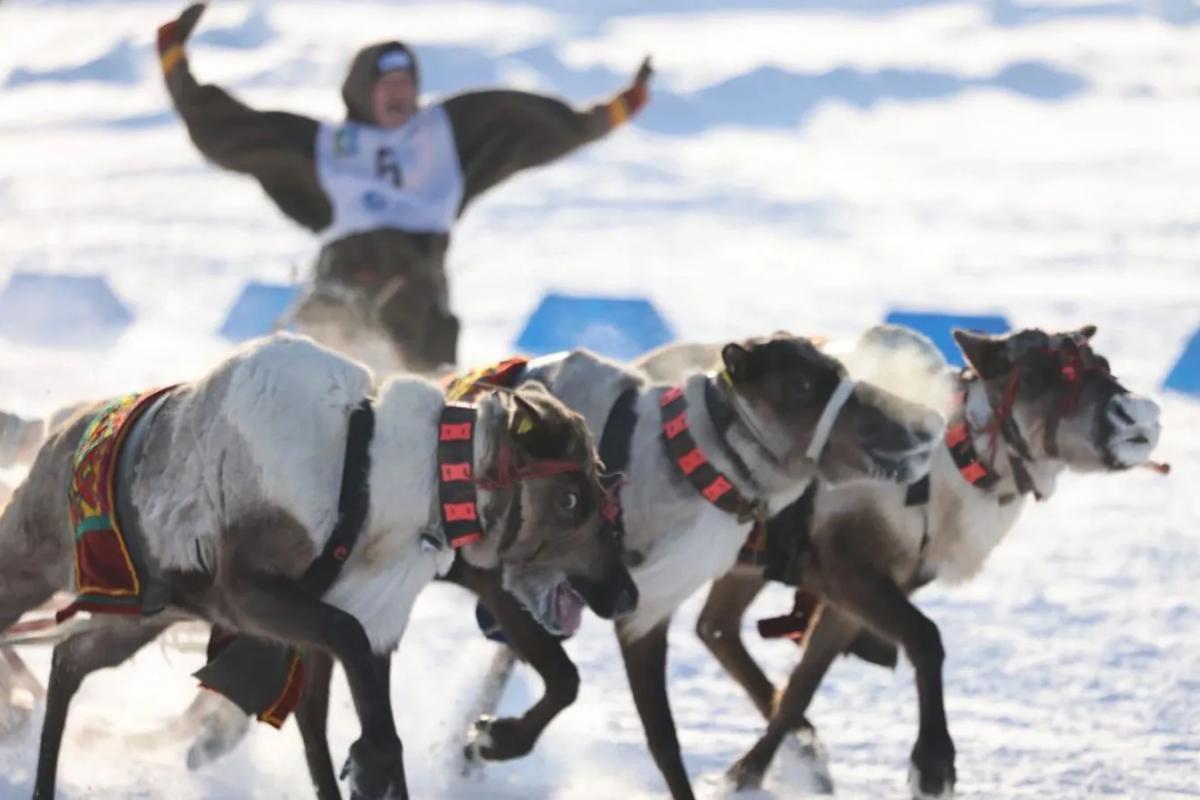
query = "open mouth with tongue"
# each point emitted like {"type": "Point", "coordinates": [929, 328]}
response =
{"type": "Point", "coordinates": [567, 611]}
{"type": "Point", "coordinates": [549, 598]}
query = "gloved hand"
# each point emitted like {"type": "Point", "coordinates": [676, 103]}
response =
{"type": "Point", "coordinates": [630, 101]}
{"type": "Point", "coordinates": [173, 35]}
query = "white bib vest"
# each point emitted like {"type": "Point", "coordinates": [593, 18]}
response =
{"type": "Point", "coordinates": [404, 178]}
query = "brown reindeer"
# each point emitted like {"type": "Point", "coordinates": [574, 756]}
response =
{"type": "Point", "coordinates": [1032, 405]}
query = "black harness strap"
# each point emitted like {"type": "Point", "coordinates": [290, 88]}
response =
{"type": "Point", "coordinates": [265, 678]}
{"type": "Point", "coordinates": [616, 441]}
{"type": "Point", "coordinates": [353, 501]}
{"type": "Point", "coordinates": [686, 454]}
{"type": "Point", "coordinates": [918, 493]}
{"type": "Point", "coordinates": [722, 414]}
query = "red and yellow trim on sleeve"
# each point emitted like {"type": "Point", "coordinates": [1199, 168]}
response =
{"type": "Point", "coordinates": [618, 112]}
{"type": "Point", "coordinates": [171, 58]}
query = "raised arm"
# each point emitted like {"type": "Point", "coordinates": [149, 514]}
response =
{"type": "Point", "coordinates": [276, 148]}
{"type": "Point", "coordinates": [501, 132]}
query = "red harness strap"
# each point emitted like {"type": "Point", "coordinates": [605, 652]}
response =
{"type": "Point", "coordinates": [795, 625]}
{"type": "Point", "coordinates": [457, 498]}
{"type": "Point", "coordinates": [966, 457]}
{"type": "Point", "coordinates": [686, 454]}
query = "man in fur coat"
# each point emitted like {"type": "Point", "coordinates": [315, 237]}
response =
{"type": "Point", "coordinates": [383, 188]}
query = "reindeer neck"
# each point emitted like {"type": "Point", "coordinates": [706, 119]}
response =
{"type": "Point", "coordinates": [1018, 468]}
{"type": "Point", "coordinates": [740, 450]}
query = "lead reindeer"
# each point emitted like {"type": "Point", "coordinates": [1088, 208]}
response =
{"type": "Point", "coordinates": [232, 492]}
{"type": "Point", "coordinates": [1032, 405]}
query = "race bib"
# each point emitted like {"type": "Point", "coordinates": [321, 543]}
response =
{"type": "Point", "coordinates": [404, 178]}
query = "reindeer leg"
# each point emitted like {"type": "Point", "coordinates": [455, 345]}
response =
{"type": "Point", "coordinates": [720, 628]}
{"type": "Point", "coordinates": [312, 718]}
{"type": "Point", "coordinates": [73, 660]}
{"type": "Point", "coordinates": [828, 639]}
{"type": "Point", "coordinates": [874, 649]}
{"type": "Point", "coordinates": [646, 667]}
{"type": "Point", "coordinates": [25, 586]}
{"type": "Point", "coordinates": [279, 608]}
{"type": "Point", "coordinates": [14, 675]}
{"type": "Point", "coordinates": [513, 737]}
{"type": "Point", "coordinates": [884, 606]}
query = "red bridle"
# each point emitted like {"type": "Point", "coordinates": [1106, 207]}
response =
{"type": "Point", "coordinates": [1076, 361]}
{"type": "Point", "coordinates": [506, 474]}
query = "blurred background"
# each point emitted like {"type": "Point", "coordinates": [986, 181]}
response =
{"type": "Point", "coordinates": [811, 166]}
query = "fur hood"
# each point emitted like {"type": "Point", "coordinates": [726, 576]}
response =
{"type": "Point", "coordinates": [364, 70]}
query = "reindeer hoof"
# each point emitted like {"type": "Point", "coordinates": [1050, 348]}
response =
{"type": "Point", "coordinates": [815, 777]}
{"type": "Point", "coordinates": [376, 772]}
{"type": "Point", "coordinates": [745, 775]}
{"type": "Point", "coordinates": [14, 720]}
{"type": "Point", "coordinates": [221, 730]}
{"type": "Point", "coordinates": [932, 775]}
{"type": "Point", "coordinates": [493, 739]}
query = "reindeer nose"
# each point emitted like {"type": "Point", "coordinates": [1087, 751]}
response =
{"type": "Point", "coordinates": [916, 429]}
{"type": "Point", "coordinates": [1132, 415]}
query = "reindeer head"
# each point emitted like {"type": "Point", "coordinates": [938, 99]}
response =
{"type": "Point", "coordinates": [553, 545]}
{"type": "Point", "coordinates": [1058, 399]}
{"type": "Point", "coordinates": [808, 414]}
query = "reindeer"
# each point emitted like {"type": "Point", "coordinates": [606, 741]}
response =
{"type": "Point", "coordinates": [230, 492]}
{"type": "Point", "coordinates": [1032, 405]}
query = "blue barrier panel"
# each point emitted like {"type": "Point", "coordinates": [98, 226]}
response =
{"type": "Point", "coordinates": [71, 311]}
{"type": "Point", "coordinates": [621, 328]}
{"type": "Point", "coordinates": [938, 327]}
{"type": "Point", "coordinates": [1185, 375]}
{"type": "Point", "coordinates": [257, 309]}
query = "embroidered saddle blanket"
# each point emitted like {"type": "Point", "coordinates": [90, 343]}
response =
{"type": "Point", "coordinates": [112, 574]}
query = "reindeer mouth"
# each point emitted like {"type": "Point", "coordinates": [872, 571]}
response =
{"type": "Point", "coordinates": [886, 469]}
{"type": "Point", "coordinates": [1129, 451]}
{"type": "Point", "coordinates": [549, 598]}
{"type": "Point", "coordinates": [568, 608]}
{"type": "Point", "coordinates": [899, 467]}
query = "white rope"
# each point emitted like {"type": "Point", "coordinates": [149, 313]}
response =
{"type": "Point", "coordinates": [828, 417]}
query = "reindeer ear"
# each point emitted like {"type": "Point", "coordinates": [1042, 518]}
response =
{"type": "Point", "coordinates": [985, 354]}
{"type": "Point", "coordinates": [1087, 331]}
{"type": "Point", "coordinates": [540, 426]}
{"type": "Point", "coordinates": [524, 417]}
{"type": "Point", "coordinates": [737, 361]}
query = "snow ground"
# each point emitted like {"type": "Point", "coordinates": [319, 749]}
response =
{"type": "Point", "coordinates": [804, 165]}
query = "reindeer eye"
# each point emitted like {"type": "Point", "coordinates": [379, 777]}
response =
{"type": "Point", "coordinates": [568, 501]}
{"type": "Point", "coordinates": [802, 389]}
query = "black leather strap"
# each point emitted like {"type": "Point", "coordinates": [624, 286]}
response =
{"type": "Point", "coordinates": [918, 493]}
{"type": "Point", "coordinates": [616, 440]}
{"type": "Point", "coordinates": [353, 502]}
{"type": "Point", "coordinates": [721, 414]}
